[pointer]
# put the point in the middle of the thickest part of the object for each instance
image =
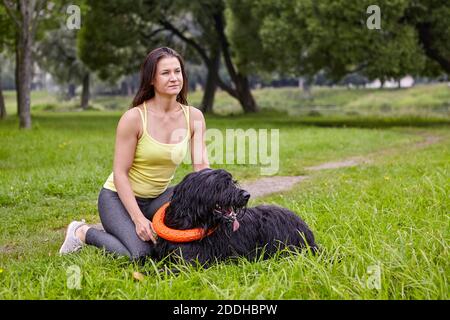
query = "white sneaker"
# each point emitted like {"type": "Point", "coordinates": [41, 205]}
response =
{"type": "Point", "coordinates": [71, 242]}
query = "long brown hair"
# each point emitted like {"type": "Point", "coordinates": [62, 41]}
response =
{"type": "Point", "coordinates": [148, 71]}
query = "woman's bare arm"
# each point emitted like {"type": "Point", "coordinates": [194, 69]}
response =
{"type": "Point", "coordinates": [199, 153]}
{"type": "Point", "coordinates": [127, 136]}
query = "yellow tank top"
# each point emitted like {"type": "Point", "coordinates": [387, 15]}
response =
{"type": "Point", "coordinates": [154, 162]}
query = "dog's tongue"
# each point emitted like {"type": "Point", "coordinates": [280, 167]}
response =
{"type": "Point", "coordinates": [235, 225]}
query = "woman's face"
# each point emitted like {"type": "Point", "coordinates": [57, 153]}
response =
{"type": "Point", "coordinates": [168, 78]}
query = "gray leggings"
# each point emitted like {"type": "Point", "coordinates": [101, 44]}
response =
{"type": "Point", "coordinates": [120, 235]}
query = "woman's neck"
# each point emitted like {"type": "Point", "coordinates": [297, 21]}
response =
{"type": "Point", "coordinates": [164, 104]}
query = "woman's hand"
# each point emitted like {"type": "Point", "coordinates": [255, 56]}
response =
{"type": "Point", "coordinates": [144, 229]}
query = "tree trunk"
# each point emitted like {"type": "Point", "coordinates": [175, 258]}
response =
{"type": "Point", "coordinates": [427, 40]}
{"type": "Point", "coordinates": [2, 103]}
{"type": "Point", "coordinates": [306, 86]}
{"type": "Point", "coordinates": [22, 14]}
{"type": "Point", "coordinates": [129, 88]}
{"type": "Point", "coordinates": [71, 91]}
{"type": "Point", "coordinates": [244, 95]}
{"type": "Point", "coordinates": [16, 72]}
{"type": "Point", "coordinates": [126, 87]}
{"type": "Point", "coordinates": [242, 87]}
{"type": "Point", "coordinates": [85, 92]}
{"type": "Point", "coordinates": [211, 83]}
{"type": "Point", "coordinates": [25, 60]}
{"type": "Point", "coordinates": [123, 88]}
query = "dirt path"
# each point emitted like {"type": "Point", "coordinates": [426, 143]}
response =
{"type": "Point", "coordinates": [268, 185]}
{"type": "Point", "coordinates": [350, 162]}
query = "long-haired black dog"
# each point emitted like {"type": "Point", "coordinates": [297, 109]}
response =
{"type": "Point", "coordinates": [211, 199]}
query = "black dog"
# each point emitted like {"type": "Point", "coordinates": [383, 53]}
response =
{"type": "Point", "coordinates": [210, 199]}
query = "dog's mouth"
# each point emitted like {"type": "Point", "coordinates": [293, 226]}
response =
{"type": "Point", "coordinates": [229, 213]}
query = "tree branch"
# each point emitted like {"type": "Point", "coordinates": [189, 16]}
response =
{"type": "Point", "coordinates": [219, 25]}
{"type": "Point", "coordinates": [426, 39]}
{"type": "Point", "coordinates": [12, 12]}
{"type": "Point", "coordinates": [358, 68]}
{"type": "Point", "coordinates": [226, 88]}
{"type": "Point", "coordinates": [38, 8]}
{"type": "Point", "coordinates": [202, 52]}
{"type": "Point", "coordinates": [166, 24]}
{"type": "Point", "coordinates": [152, 34]}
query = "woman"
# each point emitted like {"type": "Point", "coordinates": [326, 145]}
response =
{"type": "Point", "coordinates": [152, 138]}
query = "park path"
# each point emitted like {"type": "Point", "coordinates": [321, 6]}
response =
{"type": "Point", "coordinates": [269, 185]}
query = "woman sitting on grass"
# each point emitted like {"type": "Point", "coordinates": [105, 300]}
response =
{"type": "Point", "coordinates": [152, 139]}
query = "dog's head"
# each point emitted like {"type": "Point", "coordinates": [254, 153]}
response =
{"type": "Point", "coordinates": [206, 199]}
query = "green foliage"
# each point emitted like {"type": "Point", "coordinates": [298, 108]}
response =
{"type": "Point", "coordinates": [57, 54]}
{"type": "Point", "coordinates": [108, 41]}
{"type": "Point", "coordinates": [7, 29]}
{"type": "Point", "coordinates": [53, 17]}
{"type": "Point", "coordinates": [434, 16]}
{"type": "Point", "coordinates": [305, 36]}
{"type": "Point", "coordinates": [243, 25]}
{"type": "Point", "coordinates": [397, 57]}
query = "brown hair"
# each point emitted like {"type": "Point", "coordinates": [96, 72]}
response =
{"type": "Point", "coordinates": [148, 71]}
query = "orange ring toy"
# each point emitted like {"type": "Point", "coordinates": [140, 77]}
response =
{"type": "Point", "coordinates": [175, 235]}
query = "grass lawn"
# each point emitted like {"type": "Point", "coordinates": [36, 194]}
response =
{"type": "Point", "coordinates": [426, 101]}
{"type": "Point", "coordinates": [391, 214]}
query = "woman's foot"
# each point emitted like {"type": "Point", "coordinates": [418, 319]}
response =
{"type": "Point", "coordinates": [73, 242]}
{"type": "Point", "coordinates": [80, 232]}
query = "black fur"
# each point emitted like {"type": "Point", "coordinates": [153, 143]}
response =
{"type": "Point", "coordinates": [202, 200]}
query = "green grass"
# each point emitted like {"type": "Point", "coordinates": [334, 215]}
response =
{"type": "Point", "coordinates": [420, 101]}
{"type": "Point", "coordinates": [391, 213]}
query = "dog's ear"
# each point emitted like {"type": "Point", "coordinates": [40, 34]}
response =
{"type": "Point", "coordinates": [193, 192]}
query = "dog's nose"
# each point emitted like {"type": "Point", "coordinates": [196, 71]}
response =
{"type": "Point", "coordinates": [246, 195]}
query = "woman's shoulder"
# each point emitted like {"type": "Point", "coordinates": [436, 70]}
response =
{"type": "Point", "coordinates": [196, 114]}
{"type": "Point", "coordinates": [130, 118]}
{"type": "Point", "coordinates": [133, 114]}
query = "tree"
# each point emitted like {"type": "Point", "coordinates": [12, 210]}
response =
{"type": "Point", "coordinates": [192, 27]}
{"type": "Point", "coordinates": [6, 43]}
{"type": "Point", "coordinates": [29, 19]}
{"type": "Point", "coordinates": [109, 42]}
{"type": "Point", "coordinates": [211, 43]}
{"type": "Point", "coordinates": [25, 16]}
{"type": "Point", "coordinates": [431, 21]}
{"type": "Point", "coordinates": [57, 54]}
{"type": "Point", "coordinates": [252, 24]}
{"type": "Point", "coordinates": [306, 36]}
{"type": "Point", "coordinates": [2, 101]}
